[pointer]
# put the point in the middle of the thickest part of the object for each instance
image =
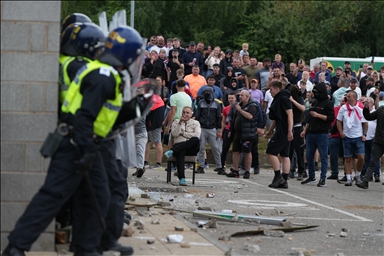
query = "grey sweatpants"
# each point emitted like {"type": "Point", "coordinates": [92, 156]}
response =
{"type": "Point", "coordinates": [209, 135]}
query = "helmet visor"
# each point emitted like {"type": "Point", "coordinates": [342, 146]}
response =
{"type": "Point", "coordinates": [135, 68]}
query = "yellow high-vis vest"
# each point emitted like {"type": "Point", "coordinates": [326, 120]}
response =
{"type": "Point", "coordinates": [110, 110]}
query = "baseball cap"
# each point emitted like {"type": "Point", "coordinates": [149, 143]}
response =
{"type": "Point", "coordinates": [340, 68]}
{"type": "Point", "coordinates": [369, 67]}
{"type": "Point", "coordinates": [353, 80]}
{"type": "Point", "coordinates": [347, 62]}
{"type": "Point", "coordinates": [192, 43]}
{"type": "Point", "coordinates": [229, 68]}
{"type": "Point", "coordinates": [370, 79]}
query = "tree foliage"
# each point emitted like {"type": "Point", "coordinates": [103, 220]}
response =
{"type": "Point", "coordinates": [295, 29]}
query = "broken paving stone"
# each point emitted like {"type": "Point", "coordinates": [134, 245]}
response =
{"type": "Point", "coordinates": [251, 247]}
{"type": "Point", "coordinates": [179, 229]}
{"type": "Point", "coordinates": [162, 203]}
{"type": "Point", "coordinates": [144, 196]}
{"type": "Point", "coordinates": [131, 198]}
{"type": "Point", "coordinates": [273, 233]}
{"type": "Point", "coordinates": [204, 208]}
{"type": "Point", "coordinates": [128, 232]}
{"type": "Point", "coordinates": [174, 238]}
{"type": "Point", "coordinates": [211, 224]}
{"type": "Point", "coordinates": [155, 221]}
{"type": "Point", "coordinates": [185, 245]}
{"type": "Point", "coordinates": [343, 234]}
{"type": "Point", "coordinates": [150, 241]}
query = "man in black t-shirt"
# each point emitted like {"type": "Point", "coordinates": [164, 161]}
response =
{"type": "Point", "coordinates": [239, 73]}
{"type": "Point", "coordinates": [281, 114]}
{"type": "Point", "coordinates": [174, 63]}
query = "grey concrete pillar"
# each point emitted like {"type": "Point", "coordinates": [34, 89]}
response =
{"type": "Point", "coordinates": [30, 37]}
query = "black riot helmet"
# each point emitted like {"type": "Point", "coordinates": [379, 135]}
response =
{"type": "Point", "coordinates": [82, 39]}
{"type": "Point", "coordinates": [72, 18]}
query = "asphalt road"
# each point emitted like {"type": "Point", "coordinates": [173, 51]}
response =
{"type": "Point", "coordinates": [335, 208]}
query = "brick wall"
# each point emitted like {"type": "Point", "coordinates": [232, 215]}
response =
{"type": "Point", "coordinates": [30, 36]}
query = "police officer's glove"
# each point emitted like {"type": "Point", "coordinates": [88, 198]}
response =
{"type": "Point", "coordinates": [85, 162]}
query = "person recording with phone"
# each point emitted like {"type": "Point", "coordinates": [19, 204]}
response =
{"type": "Point", "coordinates": [174, 63]}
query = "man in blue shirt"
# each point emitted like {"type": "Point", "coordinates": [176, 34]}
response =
{"type": "Point", "coordinates": [217, 93]}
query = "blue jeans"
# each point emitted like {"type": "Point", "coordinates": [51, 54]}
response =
{"type": "Point", "coordinates": [320, 142]}
{"type": "Point", "coordinates": [368, 149]}
{"type": "Point", "coordinates": [334, 146]}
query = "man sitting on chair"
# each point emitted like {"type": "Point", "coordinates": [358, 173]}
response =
{"type": "Point", "coordinates": [186, 133]}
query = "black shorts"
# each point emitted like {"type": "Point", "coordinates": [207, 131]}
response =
{"type": "Point", "coordinates": [278, 145]}
{"type": "Point", "coordinates": [238, 145]}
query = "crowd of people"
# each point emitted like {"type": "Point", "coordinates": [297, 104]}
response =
{"type": "Point", "coordinates": [307, 114]}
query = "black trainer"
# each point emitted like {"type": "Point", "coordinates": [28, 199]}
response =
{"type": "Point", "coordinates": [342, 180]}
{"type": "Point", "coordinates": [305, 175]}
{"type": "Point", "coordinates": [377, 178]}
{"type": "Point", "coordinates": [200, 170]}
{"type": "Point", "coordinates": [257, 170]}
{"type": "Point", "coordinates": [321, 183]}
{"type": "Point", "coordinates": [233, 174]}
{"type": "Point", "coordinates": [363, 185]}
{"type": "Point", "coordinates": [124, 250]}
{"type": "Point", "coordinates": [140, 172]}
{"type": "Point", "coordinates": [246, 175]}
{"type": "Point", "coordinates": [221, 171]}
{"type": "Point", "coordinates": [278, 183]}
{"type": "Point", "coordinates": [332, 177]}
{"type": "Point", "coordinates": [300, 176]}
{"type": "Point", "coordinates": [308, 181]}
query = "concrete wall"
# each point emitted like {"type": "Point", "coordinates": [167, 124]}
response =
{"type": "Point", "coordinates": [30, 36]}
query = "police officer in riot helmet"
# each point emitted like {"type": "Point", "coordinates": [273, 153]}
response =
{"type": "Point", "coordinates": [92, 106]}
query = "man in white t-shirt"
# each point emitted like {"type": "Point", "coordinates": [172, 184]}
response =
{"type": "Point", "coordinates": [267, 103]}
{"type": "Point", "coordinates": [353, 86]}
{"type": "Point", "coordinates": [352, 127]}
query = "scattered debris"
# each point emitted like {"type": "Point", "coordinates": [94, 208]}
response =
{"type": "Point", "coordinates": [162, 203]}
{"type": "Point", "coordinates": [261, 231]}
{"type": "Point", "coordinates": [226, 211]}
{"type": "Point", "coordinates": [183, 190]}
{"type": "Point", "coordinates": [274, 233]}
{"type": "Point", "coordinates": [343, 234]}
{"type": "Point", "coordinates": [155, 221]}
{"type": "Point", "coordinates": [219, 215]}
{"type": "Point", "coordinates": [204, 208]}
{"type": "Point", "coordinates": [331, 235]}
{"type": "Point", "coordinates": [194, 229]}
{"type": "Point", "coordinates": [235, 191]}
{"type": "Point", "coordinates": [286, 224]}
{"type": "Point", "coordinates": [139, 224]}
{"type": "Point", "coordinates": [290, 238]}
{"type": "Point", "coordinates": [229, 252]}
{"type": "Point", "coordinates": [251, 247]}
{"type": "Point", "coordinates": [131, 198]}
{"type": "Point", "coordinates": [127, 231]}
{"type": "Point", "coordinates": [210, 195]}
{"type": "Point", "coordinates": [366, 234]}
{"type": "Point", "coordinates": [202, 223]}
{"type": "Point", "coordinates": [344, 229]}
{"type": "Point", "coordinates": [179, 229]}
{"type": "Point", "coordinates": [151, 241]}
{"type": "Point", "coordinates": [145, 196]}
{"type": "Point", "coordinates": [185, 245]}
{"type": "Point", "coordinates": [340, 254]}
{"type": "Point", "coordinates": [172, 213]}
{"type": "Point", "coordinates": [211, 224]}
{"type": "Point", "coordinates": [174, 238]}
{"type": "Point", "coordinates": [225, 238]}
{"type": "Point", "coordinates": [170, 199]}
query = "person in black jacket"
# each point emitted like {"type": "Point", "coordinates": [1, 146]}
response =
{"type": "Point", "coordinates": [154, 67]}
{"type": "Point", "coordinates": [227, 61]}
{"type": "Point", "coordinates": [244, 131]}
{"type": "Point", "coordinates": [281, 114]}
{"type": "Point", "coordinates": [317, 129]}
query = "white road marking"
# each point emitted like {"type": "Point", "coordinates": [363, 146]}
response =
{"type": "Point", "coordinates": [313, 202]}
{"type": "Point", "coordinates": [267, 203]}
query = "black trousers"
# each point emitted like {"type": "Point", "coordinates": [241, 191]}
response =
{"type": "Point", "coordinates": [63, 181]}
{"type": "Point", "coordinates": [297, 145]}
{"type": "Point", "coordinates": [226, 145]}
{"type": "Point", "coordinates": [255, 153]}
{"type": "Point", "coordinates": [118, 188]}
{"type": "Point", "coordinates": [182, 149]}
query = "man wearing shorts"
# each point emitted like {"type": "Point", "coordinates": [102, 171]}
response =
{"type": "Point", "coordinates": [281, 114]}
{"type": "Point", "coordinates": [244, 129]}
{"type": "Point", "coordinates": [352, 127]}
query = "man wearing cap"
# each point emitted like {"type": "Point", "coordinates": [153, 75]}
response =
{"type": "Point", "coordinates": [347, 64]}
{"type": "Point", "coordinates": [192, 58]}
{"type": "Point", "coordinates": [335, 79]}
{"type": "Point", "coordinates": [353, 87]}
{"type": "Point", "coordinates": [251, 69]}
{"type": "Point", "coordinates": [262, 75]}
{"type": "Point", "coordinates": [363, 81]}
{"type": "Point", "coordinates": [217, 74]}
{"type": "Point", "coordinates": [370, 83]}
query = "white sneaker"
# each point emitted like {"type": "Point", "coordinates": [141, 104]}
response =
{"type": "Point", "coordinates": [252, 171]}
{"type": "Point", "coordinates": [241, 171]}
